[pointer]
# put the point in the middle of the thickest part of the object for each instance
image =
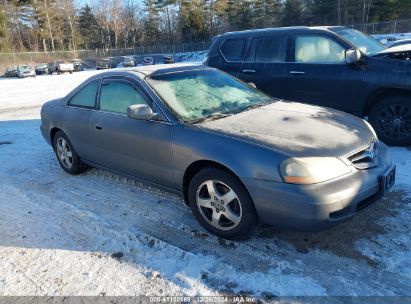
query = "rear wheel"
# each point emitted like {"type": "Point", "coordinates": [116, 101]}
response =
{"type": "Point", "coordinates": [391, 119]}
{"type": "Point", "coordinates": [66, 155]}
{"type": "Point", "coordinates": [221, 204]}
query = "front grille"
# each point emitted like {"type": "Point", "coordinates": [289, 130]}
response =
{"type": "Point", "coordinates": [367, 158]}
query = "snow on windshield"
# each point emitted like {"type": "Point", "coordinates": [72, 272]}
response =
{"type": "Point", "coordinates": [196, 94]}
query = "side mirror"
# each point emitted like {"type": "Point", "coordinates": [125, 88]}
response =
{"type": "Point", "coordinates": [352, 56]}
{"type": "Point", "coordinates": [142, 112]}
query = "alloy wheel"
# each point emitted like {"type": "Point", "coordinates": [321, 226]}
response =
{"type": "Point", "coordinates": [394, 121]}
{"type": "Point", "coordinates": [219, 205]}
{"type": "Point", "coordinates": [64, 153]}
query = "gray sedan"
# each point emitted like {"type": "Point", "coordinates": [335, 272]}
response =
{"type": "Point", "coordinates": [235, 154]}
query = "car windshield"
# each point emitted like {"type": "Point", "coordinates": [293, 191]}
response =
{"type": "Point", "coordinates": [196, 95]}
{"type": "Point", "coordinates": [24, 68]}
{"type": "Point", "coordinates": [361, 41]}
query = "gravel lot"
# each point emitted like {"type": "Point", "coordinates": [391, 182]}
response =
{"type": "Point", "coordinates": [100, 234]}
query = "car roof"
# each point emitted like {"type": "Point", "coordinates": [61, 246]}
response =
{"type": "Point", "coordinates": [153, 70]}
{"type": "Point", "coordinates": [292, 29]}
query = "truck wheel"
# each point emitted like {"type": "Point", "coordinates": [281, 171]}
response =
{"type": "Point", "coordinates": [391, 119]}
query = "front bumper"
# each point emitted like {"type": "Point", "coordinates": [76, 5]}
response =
{"type": "Point", "coordinates": [27, 75]}
{"type": "Point", "coordinates": [320, 206]}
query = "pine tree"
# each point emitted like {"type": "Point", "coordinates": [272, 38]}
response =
{"type": "Point", "coordinates": [151, 22]}
{"type": "Point", "coordinates": [292, 13]}
{"type": "Point", "coordinates": [266, 13]}
{"type": "Point", "coordinates": [88, 27]}
{"type": "Point", "coordinates": [192, 21]}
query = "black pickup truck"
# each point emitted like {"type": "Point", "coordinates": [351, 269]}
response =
{"type": "Point", "coordinates": [335, 67]}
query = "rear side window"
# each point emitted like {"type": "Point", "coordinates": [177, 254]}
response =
{"type": "Point", "coordinates": [233, 49]}
{"type": "Point", "coordinates": [117, 96]}
{"type": "Point", "coordinates": [271, 49]}
{"type": "Point", "coordinates": [86, 97]}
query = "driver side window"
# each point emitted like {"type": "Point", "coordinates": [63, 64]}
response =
{"type": "Point", "coordinates": [117, 96]}
{"type": "Point", "coordinates": [318, 49]}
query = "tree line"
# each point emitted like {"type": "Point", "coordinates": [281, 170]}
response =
{"type": "Point", "coordinates": [50, 25]}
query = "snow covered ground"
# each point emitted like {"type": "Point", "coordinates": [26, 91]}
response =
{"type": "Point", "coordinates": [101, 234]}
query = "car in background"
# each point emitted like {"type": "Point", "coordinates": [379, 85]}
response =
{"type": "Point", "coordinates": [10, 72]}
{"type": "Point", "coordinates": [60, 67]}
{"type": "Point", "coordinates": [168, 59]}
{"type": "Point", "coordinates": [104, 63]}
{"type": "Point", "coordinates": [24, 71]}
{"type": "Point", "coordinates": [334, 67]}
{"type": "Point", "coordinates": [235, 154]}
{"type": "Point", "coordinates": [41, 68]}
{"type": "Point", "coordinates": [128, 62]}
{"type": "Point", "coordinates": [77, 65]}
{"type": "Point", "coordinates": [384, 39]}
{"type": "Point", "coordinates": [148, 61]}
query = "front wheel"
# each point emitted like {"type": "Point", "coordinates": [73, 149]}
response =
{"type": "Point", "coordinates": [66, 155]}
{"type": "Point", "coordinates": [221, 203]}
{"type": "Point", "coordinates": [391, 119]}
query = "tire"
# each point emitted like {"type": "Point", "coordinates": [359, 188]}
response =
{"type": "Point", "coordinates": [239, 207]}
{"type": "Point", "coordinates": [71, 164]}
{"type": "Point", "coordinates": [391, 119]}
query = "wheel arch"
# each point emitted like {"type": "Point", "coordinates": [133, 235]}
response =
{"type": "Point", "coordinates": [380, 94]}
{"type": "Point", "coordinates": [53, 133]}
{"type": "Point", "coordinates": [198, 165]}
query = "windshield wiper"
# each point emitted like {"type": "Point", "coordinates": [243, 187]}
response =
{"type": "Point", "coordinates": [258, 105]}
{"type": "Point", "coordinates": [212, 116]}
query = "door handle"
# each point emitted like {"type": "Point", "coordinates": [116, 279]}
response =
{"type": "Point", "coordinates": [248, 71]}
{"type": "Point", "coordinates": [98, 127]}
{"type": "Point", "coordinates": [297, 72]}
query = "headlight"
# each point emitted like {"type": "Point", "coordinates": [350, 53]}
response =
{"type": "Point", "coordinates": [371, 128]}
{"type": "Point", "coordinates": [311, 170]}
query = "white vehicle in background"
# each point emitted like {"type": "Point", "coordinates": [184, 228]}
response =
{"type": "Point", "coordinates": [24, 71]}
{"type": "Point", "coordinates": [399, 42]}
{"type": "Point", "coordinates": [59, 67]}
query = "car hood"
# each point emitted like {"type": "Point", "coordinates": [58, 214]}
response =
{"type": "Point", "coordinates": [296, 129]}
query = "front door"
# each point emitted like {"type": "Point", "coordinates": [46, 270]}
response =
{"type": "Point", "coordinates": [141, 148]}
{"type": "Point", "coordinates": [318, 73]}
